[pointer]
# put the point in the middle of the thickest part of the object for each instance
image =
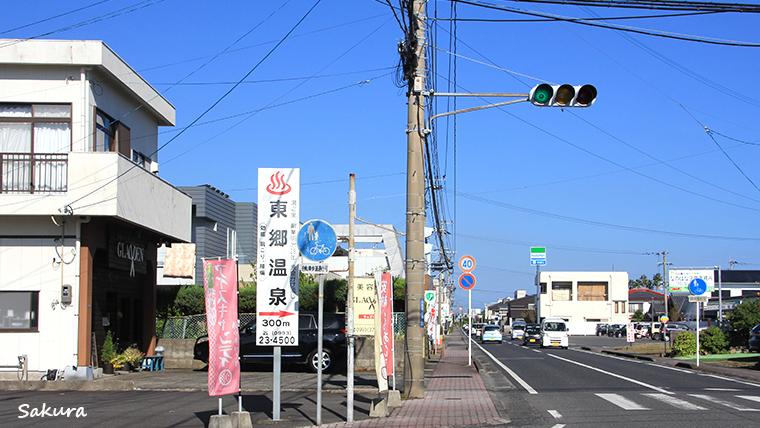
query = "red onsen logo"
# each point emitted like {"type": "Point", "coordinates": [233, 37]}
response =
{"type": "Point", "coordinates": [277, 184]}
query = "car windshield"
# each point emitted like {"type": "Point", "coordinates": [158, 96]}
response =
{"type": "Point", "coordinates": [518, 326]}
{"type": "Point", "coordinates": [554, 326]}
{"type": "Point", "coordinates": [532, 330]}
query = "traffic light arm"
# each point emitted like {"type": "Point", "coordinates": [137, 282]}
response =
{"type": "Point", "coordinates": [430, 121]}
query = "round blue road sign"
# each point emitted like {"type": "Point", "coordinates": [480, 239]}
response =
{"type": "Point", "coordinates": [697, 286]}
{"type": "Point", "coordinates": [317, 240]}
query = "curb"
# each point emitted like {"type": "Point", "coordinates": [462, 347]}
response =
{"type": "Point", "coordinates": [66, 385]}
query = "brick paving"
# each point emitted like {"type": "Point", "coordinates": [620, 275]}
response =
{"type": "Point", "coordinates": [455, 396]}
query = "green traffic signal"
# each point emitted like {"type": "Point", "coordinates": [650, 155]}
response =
{"type": "Point", "coordinates": [542, 94]}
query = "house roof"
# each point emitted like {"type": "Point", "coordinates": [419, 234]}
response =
{"type": "Point", "coordinates": [644, 294]}
{"type": "Point", "coordinates": [739, 276]}
{"type": "Point", "coordinates": [89, 54]}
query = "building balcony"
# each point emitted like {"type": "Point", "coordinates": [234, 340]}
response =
{"type": "Point", "coordinates": [93, 184]}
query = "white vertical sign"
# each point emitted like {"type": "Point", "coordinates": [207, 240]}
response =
{"type": "Point", "coordinates": [277, 258]}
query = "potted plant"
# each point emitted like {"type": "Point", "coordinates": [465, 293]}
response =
{"type": "Point", "coordinates": [132, 358]}
{"type": "Point", "coordinates": [108, 353]}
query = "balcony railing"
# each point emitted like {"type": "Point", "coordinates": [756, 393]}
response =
{"type": "Point", "coordinates": [33, 173]}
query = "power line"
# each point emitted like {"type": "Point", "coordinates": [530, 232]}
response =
{"type": "Point", "coordinates": [210, 107]}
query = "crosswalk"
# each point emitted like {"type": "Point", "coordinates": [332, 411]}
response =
{"type": "Point", "coordinates": [691, 402]}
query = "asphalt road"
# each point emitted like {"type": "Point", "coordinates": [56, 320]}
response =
{"type": "Point", "coordinates": [575, 388]}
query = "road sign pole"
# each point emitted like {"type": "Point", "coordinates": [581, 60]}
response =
{"type": "Point", "coordinates": [469, 330]}
{"type": "Point", "coordinates": [698, 305]}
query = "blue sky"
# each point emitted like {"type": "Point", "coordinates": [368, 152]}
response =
{"type": "Point", "coordinates": [602, 188]}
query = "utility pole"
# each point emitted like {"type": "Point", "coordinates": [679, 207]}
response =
{"type": "Point", "coordinates": [664, 255]}
{"type": "Point", "coordinates": [414, 361]}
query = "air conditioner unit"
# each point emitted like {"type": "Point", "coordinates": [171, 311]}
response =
{"type": "Point", "coordinates": [154, 167]}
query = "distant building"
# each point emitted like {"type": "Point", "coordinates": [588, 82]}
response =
{"type": "Point", "coordinates": [222, 228]}
{"type": "Point", "coordinates": [584, 297]}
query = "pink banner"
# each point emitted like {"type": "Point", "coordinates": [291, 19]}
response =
{"type": "Point", "coordinates": [220, 285]}
{"type": "Point", "coordinates": [385, 301]}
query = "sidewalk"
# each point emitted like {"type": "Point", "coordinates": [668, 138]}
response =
{"type": "Point", "coordinates": [455, 396]}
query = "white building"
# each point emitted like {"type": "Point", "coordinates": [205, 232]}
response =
{"type": "Point", "coordinates": [584, 298]}
{"type": "Point", "coordinates": [82, 209]}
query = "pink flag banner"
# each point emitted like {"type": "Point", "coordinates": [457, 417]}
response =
{"type": "Point", "coordinates": [220, 286]}
{"type": "Point", "coordinates": [385, 303]}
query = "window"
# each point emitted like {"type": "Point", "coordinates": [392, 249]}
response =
{"type": "Point", "coordinates": [35, 140]}
{"type": "Point", "coordinates": [633, 307]}
{"type": "Point", "coordinates": [592, 291]}
{"type": "Point", "coordinates": [562, 291]}
{"type": "Point", "coordinates": [111, 135]}
{"type": "Point", "coordinates": [18, 310]}
{"type": "Point", "coordinates": [620, 307]}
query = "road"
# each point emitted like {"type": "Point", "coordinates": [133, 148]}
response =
{"type": "Point", "coordinates": [577, 388]}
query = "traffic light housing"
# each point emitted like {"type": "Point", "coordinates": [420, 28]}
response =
{"type": "Point", "coordinates": [545, 95]}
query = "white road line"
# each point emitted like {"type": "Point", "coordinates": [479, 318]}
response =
{"type": "Point", "coordinates": [555, 414]}
{"type": "Point", "coordinates": [559, 426]}
{"type": "Point", "coordinates": [750, 397]}
{"type": "Point", "coordinates": [621, 402]}
{"type": "Point", "coordinates": [508, 370]}
{"type": "Point", "coordinates": [731, 380]}
{"type": "Point", "coordinates": [675, 402]}
{"type": "Point", "coordinates": [637, 382]}
{"type": "Point", "coordinates": [723, 389]}
{"type": "Point", "coordinates": [728, 404]}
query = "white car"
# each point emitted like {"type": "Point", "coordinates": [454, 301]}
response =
{"type": "Point", "coordinates": [518, 330]}
{"type": "Point", "coordinates": [554, 333]}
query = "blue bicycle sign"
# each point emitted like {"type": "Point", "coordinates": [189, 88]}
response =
{"type": "Point", "coordinates": [317, 240]}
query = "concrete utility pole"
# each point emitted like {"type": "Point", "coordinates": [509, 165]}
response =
{"type": "Point", "coordinates": [414, 361]}
{"type": "Point", "coordinates": [350, 299]}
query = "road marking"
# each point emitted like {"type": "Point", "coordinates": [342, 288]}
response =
{"type": "Point", "coordinates": [723, 389]}
{"type": "Point", "coordinates": [637, 382]}
{"type": "Point", "coordinates": [621, 402]}
{"type": "Point", "coordinates": [559, 426]}
{"type": "Point", "coordinates": [675, 402]}
{"type": "Point", "coordinates": [750, 397]}
{"type": "Point", "coordinates": [731, 380]}
{"type": "Point", "coordinates": [728, 404]}
{"type": "Point", "coordinates": [508, 370]}
{"type": "Point", "coordinates": [555, 414]}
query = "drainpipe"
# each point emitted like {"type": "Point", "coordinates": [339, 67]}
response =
{"type": "Point", "coordinates": [85, 104]}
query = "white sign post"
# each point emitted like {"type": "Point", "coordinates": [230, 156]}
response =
{"type": "Point", "coordinates": [467, 281]}
{"type": "Point", "coordinates": [277, 266]}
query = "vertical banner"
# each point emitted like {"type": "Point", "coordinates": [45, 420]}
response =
{"type": "Point", "coordinates": [431, 313]}
{"type": "Point", "coordinates": [220, 286]}
{"type": "Point", "coordinates": [380, 364]}
{"type": "Point", "coordinates": [365, 306]}
{"type": "Point", "coordinates": [385, 303]}
{"type": "Point", "coordinates": [277, 257]}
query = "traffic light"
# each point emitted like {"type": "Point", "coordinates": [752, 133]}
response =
{"type": "Point", "coordinates": [545, 95]}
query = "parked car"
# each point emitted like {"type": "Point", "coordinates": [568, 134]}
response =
{"type": "Point", "coordinates": [613, 328]}
{"type": "Point", "coordinates": [622, 331]}
{"type": "Point", "coordinates": [601, 329]}
{"type": "Point", "coordinates": [532, 335]}
{"type": "Point", "coordinates": [334, 343]}
{"type": "Point", "coordinates": [491, 333]}
{"type": "Point", "coordinates": [518, 330]}
{"type": "Point", "coordinates": [754, 339]}
{"type": "Point", "coordinates": [658, 335]}
{"type": "Point", "coordinates": [642, 330]}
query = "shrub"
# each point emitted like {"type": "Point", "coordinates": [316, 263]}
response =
{"type": "Point", "coordinates": [744, 316]}
{"type": "Point", "coordinates": [108, 352]}
{"type": "Point", "coordinates": [685, 344]}
{"type": "Point", "coordinates": [713, 341]}
{"type": "Point", "coordinates": [190, 300]}
{"type": "Point", "coordinates": [247, 300]}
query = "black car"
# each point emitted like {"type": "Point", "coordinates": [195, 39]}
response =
{"type": "Point", "coordinates": [601, 329]}
{"type": "Point", "coordinates": [612, 329]}
{"type": "Point", "coordinates": [532, 335]}
{"type": "Point", "coordinates": [334, 344]}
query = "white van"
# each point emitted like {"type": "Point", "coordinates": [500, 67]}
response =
{"type": "Point", "coordinates": [554, 333]}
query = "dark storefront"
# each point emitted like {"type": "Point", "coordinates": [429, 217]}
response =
{"type": "Point", "coordinates": [121, 282]}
